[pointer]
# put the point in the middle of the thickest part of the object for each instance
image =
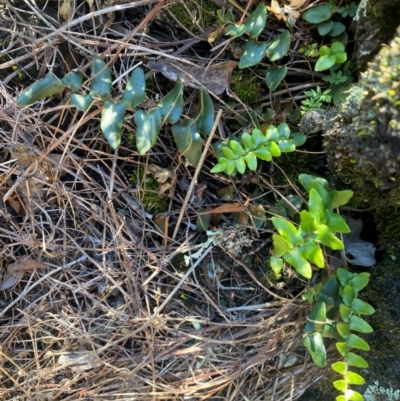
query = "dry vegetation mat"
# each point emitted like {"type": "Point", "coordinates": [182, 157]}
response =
{"type": "Point", "coordinates": [97, 299]}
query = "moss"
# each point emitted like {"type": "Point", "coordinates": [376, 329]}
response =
{"type": "Point", "coordinates": [201, 13]}
{"type": "Point", "coordinates": [151, 200]}
{"type": "Point", "coordinates": [246, 86]}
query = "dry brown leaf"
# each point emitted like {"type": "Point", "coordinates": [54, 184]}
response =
{"type": "Point", "coordinates": [215, 78]}
{"type": "Point", "coordinates": [10, 279]}
{"type": "Point", "coordinates": [27, 264]}
{"type": "Point", "coordinates": [199, 192]}
{"type": "Point", "coordinates": [14, 204]}
{"type": "Point", "coordinates": [80, 361]}
{"type": "Point", "coordinates": [161, 175]}
{"type": "Point", "coordinates": [65, 9]}
{"type": "Point", "coordinates": [297, 3]}
{"type": "Point", "coordinates": [15, 272]}
{"type": "Point", "coordinates": [227, 208]}
{"type": "Point", "coordinates": [42, 168]}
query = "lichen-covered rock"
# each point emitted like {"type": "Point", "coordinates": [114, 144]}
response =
{"type": "Point", "coordinates": [375, 23]}
{"type": "Point", "coordinates": [363, 134]}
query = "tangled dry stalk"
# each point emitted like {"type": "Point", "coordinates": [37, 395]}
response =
{"type": "Point", "coordinates": [96, 306]}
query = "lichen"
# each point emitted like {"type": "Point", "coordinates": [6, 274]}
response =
{"type": "Point", "coordinates": [362, 135]}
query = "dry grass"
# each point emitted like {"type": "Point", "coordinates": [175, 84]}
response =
{"type": "Point", "coordinates": [100, 315]}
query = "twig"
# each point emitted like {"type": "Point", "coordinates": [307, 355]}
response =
{"type": "Point", "coordinates": [196, 173]}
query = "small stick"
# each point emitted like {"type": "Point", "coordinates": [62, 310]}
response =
{"type": "Point", "coordinates": [196, 173]}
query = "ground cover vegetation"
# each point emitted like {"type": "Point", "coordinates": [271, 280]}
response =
{"type": "Point", "coordinates": [229, 290]}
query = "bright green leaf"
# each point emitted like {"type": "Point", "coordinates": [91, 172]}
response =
{"type": "Point", "coordinates": [281, 246]}
{"type": "Point", "coordinates": [112, 118]}
{"type": "Point", "coordinates": [256, 22]}
{"type": "Point", "coordinates": [356, 360]}
{"type": "Point", "coordinates": [251, 161]}
{"type": "Point", "coordinates": [340, 385]}
{"type": "Point", "coordinates": [355, 341]}
{"type": "Point", "coordinates": [276, 264]}
{"type": "Point", "coordinates": [352, 395]}
{"type": "Point", "coordinates": [248, 142]}
{"type": "Point", "coordinates": [324, 51]}
{"type": "Point", "coordinates": [339, 367]}
{"type": "Point", "coordinates": [361, 308]}
{"type": "Point", "coordinates": [345, 312]}
{"type": "Point", "coordinates": [343, 329]}
{"type": "Point", "coordinates": [148, 127]}
{"type": "Point", "coordinates": [100, 86]}
{"type": "Point", "coordinates": [274, 76]}
{"type": "Point", "coordinates": [344, 276]}
{"type": "Point", "coordinates": [135, 89]}
{"type": "Point", "coordinates": [253, 53]}
{"type": "Point", "coordinates": [279, 47]}
{"type": "Point", "coordinates": [299, 262]}
{"type": "Point", "coordinates": [231, 167]}
{"type": "Point", "coordinates": [274, 149]}
{"type": "Point", "coordinates": [308, 223]}
{"type": "Point", "coordinates": [340, 198]}
{"type": "Point", "coordinates": [354, 378]}
{"type": "Point", "coordinates": [220, 166]}
{"type": "Point", "coordinates": [359, 281]}
{"type": "Point", "coordinates": [48, 86]}
{"type": "Point", "coordinates": [287, 230]}
{"type": "Point", "coordinates": [327, 238]}
{"type": "Point", "coordinates": [258, 137]}
{"type": "Point", "coordinates": [317, 14]}
{"type": "Point", "coordinates": [313, 253]}
{"type": "Point", "coordinates": [240, 165]}
{"type": "Point", "coordinates": [342, 348]}
{"type": "Point", "coordinates": [308, 180]}
{"type": "Point", "coordinates": [316, 206]}
{"type": "Point", "coordinates": [228, 152]}
{"type": "Point", "coordinates": [263, 153]}
{"type": "Point", "coordinates": [348, 295]}
{"type": "Point", "coordinates": [337, 47]}
{"type": "Point", "coordinates": [359, 324]}
{"type": "Point", "coordinates": [237, 148]}
{"type": "Point", "coordinates": [272, 134]}
{"type": "Point", "coordinates": [324, 63]}
{"type": "Point", "coordinates": [336, 222]}
{"type": "Point", "coordinates": [340, 57]}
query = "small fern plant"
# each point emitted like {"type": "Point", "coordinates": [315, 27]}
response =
{"type": "Point", "coordinates": [300, 246]}
{"type": "Point", "coordinates": [336, 307]}
{"type": "Point", "coordinates": [336, 314]}
{"type": "Point", "coordinates": [243, 153]}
